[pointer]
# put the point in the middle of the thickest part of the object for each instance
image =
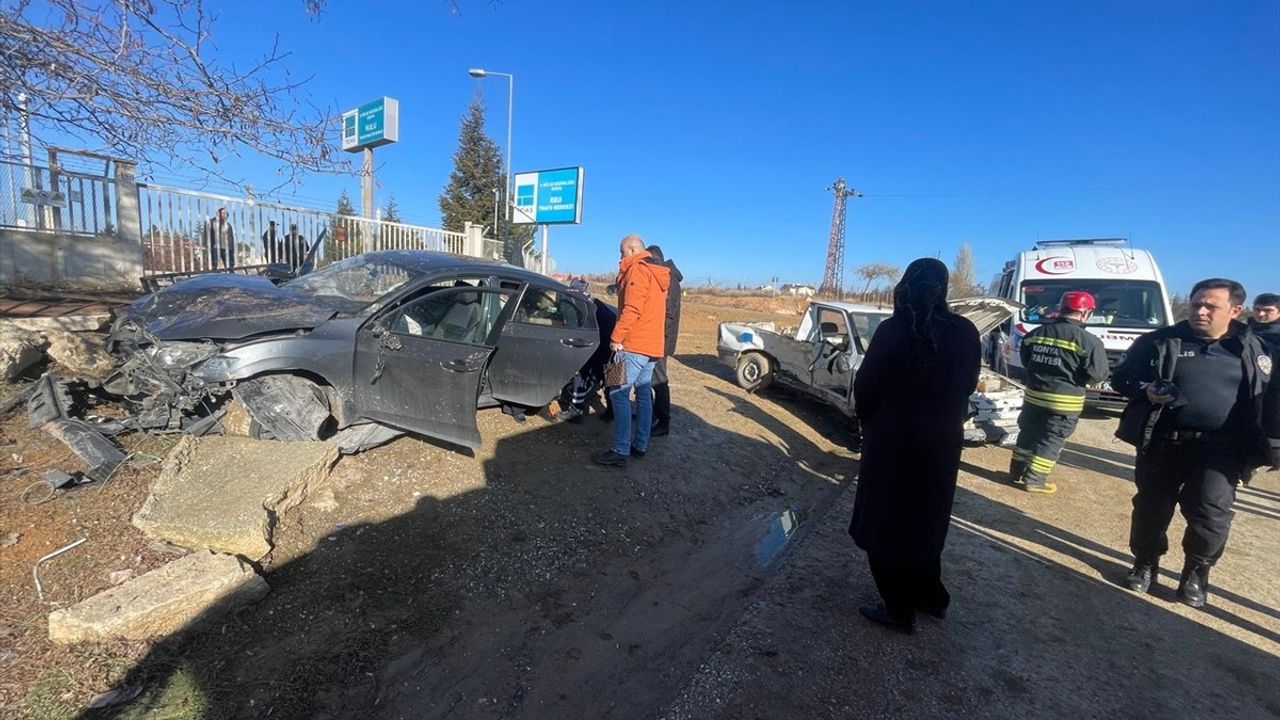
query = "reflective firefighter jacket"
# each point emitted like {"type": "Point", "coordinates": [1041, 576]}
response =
{"type": "Point", "coordinates": [1061, 358]}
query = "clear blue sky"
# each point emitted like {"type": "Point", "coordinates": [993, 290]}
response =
{"type": "Point", "coordinates": [713, 128]}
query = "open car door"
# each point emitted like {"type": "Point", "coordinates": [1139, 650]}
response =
{"type": "Point", "coordinates": [831, 358]}
{"type": "Point", "coordinates": [550, 336]}
{"type": "Point", "coordinates": [418, 366]}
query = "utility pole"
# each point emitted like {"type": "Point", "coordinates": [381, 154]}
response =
{"type": "Point", "coordinates": [833, 275]}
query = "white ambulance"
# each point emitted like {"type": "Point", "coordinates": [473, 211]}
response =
{"type": "Point", "coordinates": [1126, 283]}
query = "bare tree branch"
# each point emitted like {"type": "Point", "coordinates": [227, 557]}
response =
{"type": "Point", "coordinates": [138, 77]}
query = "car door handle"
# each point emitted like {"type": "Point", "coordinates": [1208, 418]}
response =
{"type": "Point", "coordinates": [577, 342]}
{"type": "Point", "coordinates": [457, 366]}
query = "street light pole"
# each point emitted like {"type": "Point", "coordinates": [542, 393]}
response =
{"type": "Point", "coordinates": [511, 96]}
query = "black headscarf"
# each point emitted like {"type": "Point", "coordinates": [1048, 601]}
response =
{"type": "Point", "coordinates": [920, 301]}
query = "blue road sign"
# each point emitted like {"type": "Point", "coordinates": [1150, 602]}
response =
{"type": "Point", "coordinates": [548, 197]}
{"type": "Point", "coordinates": [372, 124]}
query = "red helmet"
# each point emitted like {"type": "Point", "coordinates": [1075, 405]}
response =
{"type": "Point", "coordinates": [1077, 301]}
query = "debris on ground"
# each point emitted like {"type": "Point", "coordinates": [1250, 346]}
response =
{"type": "Point", "coordinates": [224, 493]}
{"type": "Point", "coordinates": [35, 569]}
{"type": "Point", "coordinates": [84, 354]}
{"type": "Point", "coordinates": [9, 539]}
{"type": "Point", "coordinates": [19, 350]}
{"type": "Point", "coordinates": [118, 576]}
{"type": "Point", "coordinates": [161, 602]}
{"type": "Point", "coordinates": [50, 409]}
{"type": "Point", "coordinates": [115, 697]}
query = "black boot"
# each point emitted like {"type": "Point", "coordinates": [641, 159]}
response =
{"type": "Point", "coordinates": [1144, 575]}
{"type": "Point", "coordinates": [1193, 589]}
{"type": "Point", "coordinates": [1016, 471]}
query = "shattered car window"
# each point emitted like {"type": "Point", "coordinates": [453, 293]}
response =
{"type": "Point", "coordinates": [543, 306]}
{"type": "Point", "coordinates": [466, 316]}
{"type": "Point", "coordinates": [353, 284]}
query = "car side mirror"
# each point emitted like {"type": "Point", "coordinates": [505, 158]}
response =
{"type": "Point", "coordinates": [829, 328]}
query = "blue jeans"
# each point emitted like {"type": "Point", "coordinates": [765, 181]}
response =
{"type": "Point", "coordinates": [640, 377]}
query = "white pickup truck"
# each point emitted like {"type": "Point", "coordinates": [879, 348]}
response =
{"type": "Point", "coordinates": [821, 356]}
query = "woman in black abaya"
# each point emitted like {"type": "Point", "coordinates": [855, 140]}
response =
{"type": "Point", "coordinates": [911, 394]}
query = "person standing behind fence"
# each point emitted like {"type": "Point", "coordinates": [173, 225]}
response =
{"type": "Point", "coordinates": [220, 238]}
{"type": "Point", "coordinates": [295, 247]}
{"type": "Point", "coordinates": [911, 394]}
{"type": "Point", "coordinates": [671, 333]}
{"type": "Point", "coordinates": [271, 244]}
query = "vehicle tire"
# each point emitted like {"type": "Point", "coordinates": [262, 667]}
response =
{"type": "Point", "coordinates": [286, 407]}
{"type": "Point", "coordinates": [755, 372]}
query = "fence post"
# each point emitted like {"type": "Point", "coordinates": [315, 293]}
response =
{"type": "Point", "coordinates": [128, 215]}
{"type": "Point", "coordinates": [473, 240]}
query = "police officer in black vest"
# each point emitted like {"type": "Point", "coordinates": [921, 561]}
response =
{"type": "Point", "coordinates": [1061, 358]}
{"type": "Point", "coordinates": [1203, 413]}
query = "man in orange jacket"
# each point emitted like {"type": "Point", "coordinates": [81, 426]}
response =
{"type": "Point", "coordinates": [638, 341]}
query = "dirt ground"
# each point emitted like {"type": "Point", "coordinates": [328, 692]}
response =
{"type": "Point", "coordinates": [710, 579]}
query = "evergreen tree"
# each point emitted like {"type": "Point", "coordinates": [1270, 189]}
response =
{"type": "Point", "coordinates": [477, 174]}
{"type": "Point", "coordinates": [344, 205]}
{"type": "Point", "coordinates": [391, 213]}
{"type": "Point", "coordinates": [343, 238]}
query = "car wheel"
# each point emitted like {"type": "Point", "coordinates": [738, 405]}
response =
{"type": "Point", "coordinates": [755, 372]}
{"type": "Point", "coordinates": [286, 407]}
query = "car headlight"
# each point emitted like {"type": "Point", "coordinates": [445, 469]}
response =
{"type": "Point", "coordinates": [175, 356]}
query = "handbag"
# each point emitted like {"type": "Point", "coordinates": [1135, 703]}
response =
{"type": "Point", "coordinates": [615, 371]}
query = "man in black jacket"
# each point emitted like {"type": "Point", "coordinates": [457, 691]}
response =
{"type": "Point", "coordinates": [671, 333]}
{"type": "Point", "coordinates": [1265, 322]}
{"type": "Point", "coordinates": [1202, 413]}
{"type": "Point", "coordinates": [1061, 358]}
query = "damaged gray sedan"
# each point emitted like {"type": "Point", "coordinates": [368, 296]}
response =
{"type": "Point", "coordinates": [356, 352]}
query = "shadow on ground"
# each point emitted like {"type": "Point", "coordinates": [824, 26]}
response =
{"type": "Point", "coordinates": [827, 421]}
{"type": "Point", "coordinates": [555, 588]}
{"type": "Point", "coordinates": [1027, 637]}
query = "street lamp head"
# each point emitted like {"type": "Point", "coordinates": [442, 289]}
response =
{"type": "Point", "coordinates": [476, 72]}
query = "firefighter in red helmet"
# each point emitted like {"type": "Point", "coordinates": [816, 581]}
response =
{"type": "Point", "coordinates": [1061, 358]}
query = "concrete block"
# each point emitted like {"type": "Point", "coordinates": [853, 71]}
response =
{"type": "Point", "coordinates": [84, 354]}
{"type": "Point", "coordinates": [89, 322]}
{"type": "Point", "coordinates": [224, 492]}
{"type": "Point", "coordinates": [19, 350]}
{"type": "Point", "coordinates": [198, 586]}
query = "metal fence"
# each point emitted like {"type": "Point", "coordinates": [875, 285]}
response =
{"type": "Point", "coordinates": [178, 232]}
{"type": "Point", "coordinates": [174, 223]}
{"type": "Point", "coordinates": [71, 202]}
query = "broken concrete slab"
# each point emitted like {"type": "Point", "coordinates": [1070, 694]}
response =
{"type": "Point", "coordinates": [89, 322]}
{"type": "Point", "coordinates": [84, 354]}
{"type": "Point", "coordinates": [224, 493]}
{"type": "Point", "coordinates": [19, 350]}
{"type": "Point", "coordinates": [162, 601]}
{"type": "Point", "coordinates": [236, 420]}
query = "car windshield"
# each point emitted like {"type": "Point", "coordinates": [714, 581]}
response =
{"type": "Point", "coordinates": [351, 285]}
{"type": "Point", "coordinates": [1121, 303]}
{"type": "Point", "coordinates": [866, 324]}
